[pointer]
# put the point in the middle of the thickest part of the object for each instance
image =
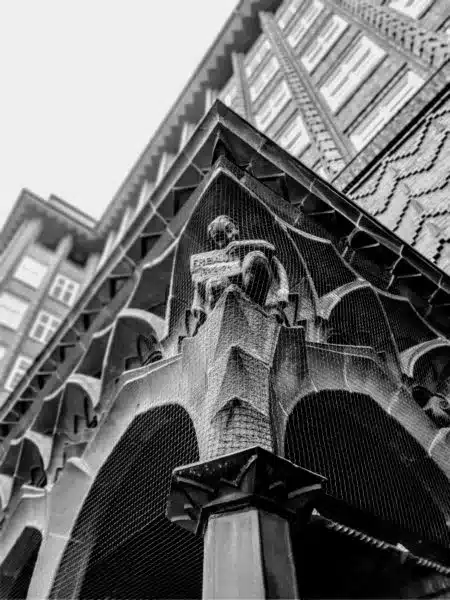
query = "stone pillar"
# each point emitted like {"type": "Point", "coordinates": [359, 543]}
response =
{"type": "Point", "coordinates": [243, 504]}
{"type": "Point", "coordinates": [334, 151]}
{"type": "Point", "coordinates": [426, 48]}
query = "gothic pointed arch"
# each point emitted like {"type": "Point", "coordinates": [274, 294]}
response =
{"type": "Point", "coordinates": [122, 545]}
{"type": "Point", "coordinates": [134, 343]}
{"type": "Point", "coordinates": [372, 464]}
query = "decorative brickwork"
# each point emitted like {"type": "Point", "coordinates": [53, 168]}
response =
{"type": "Point", "coordinates": [332, 150]}
{"type": "Point", "coordinates": [409, 191]}
{"type": "Point", "coordinates": [428, 47]}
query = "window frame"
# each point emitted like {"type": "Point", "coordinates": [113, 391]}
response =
{"type": "Point", "coordinates": [67, 284]}
{"type": "Point", "coordinates": [49, 328]}
{"type": "Point", "coordinates": [19, 301]}
{"type": "Point", "coordinates": [253, 61]}
{"type": "Point", "coordinates": [265, 76]}
{"type": "Point", "coordinates": [271, 102]}
{"type": "Point", "coordinates": [417, 9]}
{"type": "Point", "coordinates": [18, 273]}
{"type": "Point", "coordinates": [288, 12]}
{"type": "Point", "coordinates": [364, 50]}
{"type": "Point", "coordinates": [8, 385]}
{"type": "Point", "coordinates": [324, 42]}
{"type": "Point", "coordinates": [303, 23]}
{"type": "Point", "coordinates": [303, 137]}
{"type": "Point", "coordinates": [386, 109]}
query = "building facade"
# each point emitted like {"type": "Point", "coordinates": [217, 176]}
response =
{"type": "Point", "coordinates": [49, 252]}
{"type": "Point", "coordinates": [251, 348]}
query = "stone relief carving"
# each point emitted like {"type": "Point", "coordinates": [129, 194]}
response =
{"type": "Point", "coordinates": [438, 409]}
{"type": "Point", "coordinates": [249, 264]}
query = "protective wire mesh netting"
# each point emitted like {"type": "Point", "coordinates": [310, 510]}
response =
{"type": "Point", "coordinates": [370, 462]}
{"type": "Point", "coordinates": [122, 545]}
{"type": "Point", "coordinates": [17, 569]}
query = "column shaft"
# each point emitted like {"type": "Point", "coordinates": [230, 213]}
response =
{"type": "Point", "coordinates": [248, 554]}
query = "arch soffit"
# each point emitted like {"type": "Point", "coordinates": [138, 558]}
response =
{"type": "Point", "coordinates": [140, 322]}
{"type": "Point", "coordinates": [401, 299]}
{"type": "Point", "coordinates": [72, 488]}
{"type": "Point", "coordinates": [410, 356]}
{"type": "Point", "coordinates": [338, 369]}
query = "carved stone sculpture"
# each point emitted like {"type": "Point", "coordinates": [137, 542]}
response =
{"type": "Point", "coordinates": [438, 409]}
{"type": "Point", "coordinates": [250, 264]}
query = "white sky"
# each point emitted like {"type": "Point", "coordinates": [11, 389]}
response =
{"type": "Point", "coordinates": [85, 83]}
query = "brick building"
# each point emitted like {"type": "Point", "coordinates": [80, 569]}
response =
{"type": "Point", "coordinates": [264, 271]}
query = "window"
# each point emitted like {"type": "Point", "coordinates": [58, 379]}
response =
{"type": "Point", "coordinates": [364, 56]}
{"type": "Point", "coordinates": [253, 62]}
{"type": "Point", "coordinates": [126, 219]}
{"type": "Point", "coordinates": [18, 371]}
{"type": "Point", "coordinates": [288, 13]}
{"type": "Point", "coordinates": [324, 41]}
{"type": "Point", "coordinates": [44, 327]}
{"type": "Point", "coordinates": [144, 195]}
{"type": "Point", "coordinates": [12, 310]}
{"type": "Point", "coordinates": [273, 106]}
{"type": "Point", "coordinates": [30, 271]}
{"type": "Point", "coordinates": [164, 164]}
{"type": "Point", "coordinates": [411, 8]}
{"type": "Point", "coordinates": [186, 132]}
{"type": "Point", "coordinates": [264, 77]}
{"type": "Point", "coordinates": [107, 249]}
{"type": "Point", "coordinates": [210, 96]}
{"type": "Point", "coordinates": [294, 138]}
{"type": "Point", "coordinates": [64, 290]}
{"type": "Point", "coordinates": [388, 107]}
{"type": "Point", "coordinates": [230, 94]}
{"type": "Point", "coordinates": [321, 171]}
{"type": "Point", "coordinates": [304, 22]}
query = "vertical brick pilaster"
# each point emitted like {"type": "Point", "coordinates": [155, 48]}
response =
{"type": "Point", "coordinates": [333, 150]}
{"type": "Point", "coordinates": [427, 49]}
{"type": "Point", "coordinates": [244, 106]}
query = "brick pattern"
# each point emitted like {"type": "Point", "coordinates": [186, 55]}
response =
{"type": "Point", "coordinates": [323, 135]}
{"type": "Point", "coordinates": [409, 191]}
{"type": "Point", "coordinates": [429, 47]}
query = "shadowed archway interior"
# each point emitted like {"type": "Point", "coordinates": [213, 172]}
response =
{"type": "Point", "coordinates": [122, 545]}
{"type": "Point", "coordinates": [377, 469]}
{"type": "Point", "coordinates": [17, 569]}
{"type": "Point", "coordinates": [371, 462]}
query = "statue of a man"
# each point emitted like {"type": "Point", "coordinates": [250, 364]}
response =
{"type": "Point", "coordinates": [250, 264]}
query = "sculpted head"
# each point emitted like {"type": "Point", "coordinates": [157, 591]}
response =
{"type": "Point", "coordinates": [222, 231]}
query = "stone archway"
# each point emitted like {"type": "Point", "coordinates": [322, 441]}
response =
{"type": "Point", "coordinates": [122, 545]}
{"type": "Point", "coordinates": [380, 481]}
{"type": "Point", "coordinates": [372, 463]}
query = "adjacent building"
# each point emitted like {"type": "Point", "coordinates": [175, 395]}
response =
{"type": "Point", "coordinates": [49, 252]}
{"type": "Point", "coordinates": [271, 281]}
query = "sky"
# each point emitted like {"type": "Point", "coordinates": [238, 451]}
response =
{"type": "Point", "coordinates": [85, 83]}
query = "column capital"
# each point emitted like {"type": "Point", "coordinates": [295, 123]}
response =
{"type": "Point", "coordinates": [253, 478]}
